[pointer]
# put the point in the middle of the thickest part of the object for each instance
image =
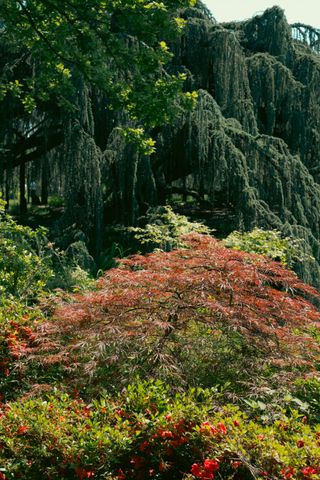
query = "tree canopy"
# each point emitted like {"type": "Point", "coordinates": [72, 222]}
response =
{"type": "Point", "coordinates": [119, 47]}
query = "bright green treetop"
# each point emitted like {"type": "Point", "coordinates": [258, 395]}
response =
{"type": "Point", "coordinates": [117, 46]}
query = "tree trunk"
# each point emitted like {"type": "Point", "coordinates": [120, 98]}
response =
{"type": "Point", "coordinates": [23, 201]}
{"type": "Point", "coordinates": [44, 180]}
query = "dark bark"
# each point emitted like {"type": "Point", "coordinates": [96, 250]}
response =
{"type": "Point", "coordinates": [44, 180]}
{"type": "Point", "coordinates": [22, 188]}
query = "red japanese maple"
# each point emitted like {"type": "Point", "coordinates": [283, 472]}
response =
{"type": "Point", "coordinates": [150, 300]}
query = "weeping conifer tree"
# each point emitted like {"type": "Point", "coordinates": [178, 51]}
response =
{"type": "Point", "coordinates": [251, 144]}
{"type": "Point", "coordinates": [82, 159]}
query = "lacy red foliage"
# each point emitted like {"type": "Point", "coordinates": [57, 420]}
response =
{"type": "Point", "coordinates": [151, 296]}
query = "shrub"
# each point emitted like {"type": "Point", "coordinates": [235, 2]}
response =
{"type": "Point", "coordinates": [56, 201]}
{"type": "Point", "coordinates": [164, 229]}
{"type": "Point", "coordinates": [17, 325]}
{"type": "Point", "coordinates": [203, 316]}
{"type": "Point", "coordinates": [271, 243]}
{"type": "Point", "coordinates": [24, 269]}
{"type": "Point", "coordinates": [144, 433]}
{"type": "Point", "coordinates": [308, 390]}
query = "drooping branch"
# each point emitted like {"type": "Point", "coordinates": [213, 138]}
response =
{"type": "Point", "coordinates": [307, 34]}
{"type": "Point", "coordinates": [31, 148]}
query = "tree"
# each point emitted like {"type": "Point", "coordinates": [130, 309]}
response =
{"type": "Point", "coordinates": [59, 60]}
{"type": "Point", "coordinates": [119, 47]}
{"type": "Point", "coordinates": [199, 316]}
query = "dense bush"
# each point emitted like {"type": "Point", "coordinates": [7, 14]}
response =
{"type": "Point", "coordinates": [17, 325]}
{"type": "Point", "coordinates": [24, 267]}
{"type": "Point", "coordinates": [161, 228]}
{"type": "Point", "coordinates": [202, 316]}
{"type": "Point", "coordinates": [144, 433]}
{"type": "Point", "coordinates": [271, 243]}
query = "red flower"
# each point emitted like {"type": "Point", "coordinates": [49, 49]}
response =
{"type": "Point", "coordinates": [213, 430]}
{"type": "Point", "coordinates": [207, 426]}
{"type": "Point", "coordinates": [2, 476]}
{"type": "Point", "coordinates": [196, 470]}
{"type": "Point", "coordinates": [236, 464]}
{"type": "Point", "coordinates": [22, 430]}
{"type": "Point", "coordinates": [300, 443]}
{"type": "Point", "coordinates": [166, 434]}
{"type": "Point", "coordinates": [222, 427]}
{"type": "Point", "coordinates": [82, 473]}
{"type": "Point", "coordinates": [143, 447]}
{"type": "Point", "coordinates": [236, 423]}
{"type": "Point", "coordinates": [287, 473]}
{"type": "Point", "coordinates": [211, 465]}
{"type": "Point", "coordinates": [121, 474]}
{"type": "Point", "coordinates": [307, 471]}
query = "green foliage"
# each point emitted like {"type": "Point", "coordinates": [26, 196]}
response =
{"type": "Point", "coordinates": [72, 278]}
{"type": "Point", "coordinates": [55, 201]}
{"type": "Point", "coordinates": [24, 268]}
{"type": "Point", "coordinates": [144, 433]}
{"type": "Point", "coordinates": [271, 243]}
{"type": "Point", "coordinates": [69, 272]}
{"type": "Point", "coordinates": [165, 229]}
{"type": "Point", "coordinates": [308, 390]}
{"type": "Point", "coordinates": [97, 43]}
{"type": "Point", "coordinates": [108, 256]}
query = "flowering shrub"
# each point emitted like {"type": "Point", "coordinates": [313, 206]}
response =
{"type": "Point", "coordinates": [17, 325]}
{"type": "Point", "coordinates": [143, 434]}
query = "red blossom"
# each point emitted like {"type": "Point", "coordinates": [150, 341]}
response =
{"type": "Point", "coordinates": [196, 470]}
{"type": "Point", "coordinates": [287, 472]}
{"type": "Point", "coordinates": [166, 434]}
{"type": "Point", "coordinates": [222, 428]}
{"type": "Point", "coordinates": [22, 429]}
{"type": "Point", "coordinates": [82, 473]}
{"type": "Point", "coordinates": [307, 471]}
{"type": "Point", "coordinates": [144, 446]}
{"type": "Point", "coordinates": [211, 465]}
{"type": "Point", "coordinates": [300, 443]}
{"type": "Point", "coordinates": [121, 475]}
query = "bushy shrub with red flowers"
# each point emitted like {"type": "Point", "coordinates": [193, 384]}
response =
{"type": "Point", "coordinates": [144, 433]}
{"type": "Point", "coordinates": [202, 316]}
{"type": "Point", "coordinates": [18, 324]}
